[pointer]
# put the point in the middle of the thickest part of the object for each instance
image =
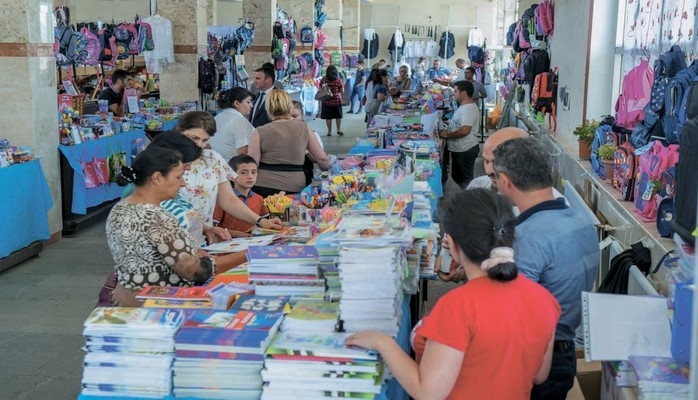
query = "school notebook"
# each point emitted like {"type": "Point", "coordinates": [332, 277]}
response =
{"type": "Point", "coordinates": [618, 326]}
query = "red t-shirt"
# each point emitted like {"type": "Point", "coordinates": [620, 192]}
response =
{"type": "Point", "coordinates": [336, 87]}
{"type": "Point", "coordinates": [503, 329]}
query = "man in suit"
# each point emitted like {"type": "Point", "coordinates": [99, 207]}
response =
{"type": "Point", "coordinates": [264, 80]}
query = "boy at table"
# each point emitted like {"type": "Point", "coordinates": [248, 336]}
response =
{"type": "Point", "coordinates": [246, 169]}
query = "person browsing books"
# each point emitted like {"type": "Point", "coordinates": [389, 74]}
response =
{"type": "Point", "coordinates": [246, 169]}
{"type": "Point", "coordinates": [208, 178]}
{"type": "Point", "coordinates": [280, 146]}
{"type": "Point", "coordinates": [233, 130]}
{"type": "Point", "coordinates": [147, 243]}
{"type": "Point", "coordinates": [489, 339]}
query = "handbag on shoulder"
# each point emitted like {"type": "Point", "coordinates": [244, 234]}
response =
{"type": "Point", "coordinates": [324, 93]}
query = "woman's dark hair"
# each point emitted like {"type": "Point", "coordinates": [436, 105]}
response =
{"type": "Point", "coordinates": [378, 76]}
{"type": "Point", "coordinates": [331, 73]}
{"type": "Point", "coordinates": [371, 76]}
{"type": "Point", "coordinates": [478, 220]}
{"type": "Point", "coordinates": [147, 162]}
{"type": "Point", "coordinates": [178, 141]}
{"type": "Point", "coordinates": [197, 120]}
{"type": "Point", "coordinates": [232, 95]}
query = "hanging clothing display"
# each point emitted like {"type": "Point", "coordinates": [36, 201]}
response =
{"type": "Point", "coordinates": [164, 46]}
{"type": "Point", "coordinates": [447, 44]}
{"type": "Point", "coordinates": [430, 49]}
{"type": "Point", "coordinates": [370, 49]}
{"type": "Point", "coordinates": [476, 37]}
{"type": "Point", "coordinates": [397, 44]}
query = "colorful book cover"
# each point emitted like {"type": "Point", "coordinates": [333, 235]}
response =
{"type": "Point", "coordinates": [162, 303]}
{"type": "Point", "coordinates": [217, 355]}
{"type": "Point", "coordinates": [237, 275]}
{"type": "Point", "coordinates": [226, 320]}
{"type": "Point", "coordinates": [132, 317]}
{"type": "Point", "coordinates": [239, 244]}
{"type": "Point", "coordinates": [319, 344]}
{"type": "Point", "coordinates": [660, 370]}
{"type": "Point", "coordinates": [194, 293]}
{"type": "Point", "coordinates": [272, 304]}
{"type": "Point", "coordinates": [281, 252]}
{"type": "Point", "coordinates": [314, 310]}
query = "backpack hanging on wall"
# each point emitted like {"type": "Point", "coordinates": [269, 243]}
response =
{"type": "Point", "coordinates": [207, 75]}
{"type": "Point", "coordinates": [685, 195]}
{"type": "Point", "coordinates": [307, 36]}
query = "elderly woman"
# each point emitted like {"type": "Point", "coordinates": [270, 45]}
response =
{"type": "Point", "coordinates": [279, 147]}
{"type": "Point", "coordinates": [147, 243]}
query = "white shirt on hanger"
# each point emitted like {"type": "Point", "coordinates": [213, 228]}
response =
{"type": "Point", "coordinates": [163, 51]}
{"type": "Point", "coordinates": [430, 49]}
{"type": "Point", "coordinates": [476, 37]}
{"type": "Point", "coordinates": [369, 34]}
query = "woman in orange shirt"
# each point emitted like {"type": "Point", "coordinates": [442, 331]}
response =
{"type": "Point", "coordinates": [489, 339]}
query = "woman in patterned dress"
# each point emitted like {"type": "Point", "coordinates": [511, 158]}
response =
{"type": "Point", "coordinates": [147, 243]}
{"type": "Point", "coordinates": [332, 108]}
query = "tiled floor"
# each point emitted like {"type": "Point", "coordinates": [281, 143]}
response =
{"type": "Point", "coordinates": [44, 301]}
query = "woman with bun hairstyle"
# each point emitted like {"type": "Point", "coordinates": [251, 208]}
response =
{"type": "Point", "coordinates": [147, 243]}
{"type": "Point", "coordinates": [491, 338]}
{"type": "Point", "coordinates": [233, 130]}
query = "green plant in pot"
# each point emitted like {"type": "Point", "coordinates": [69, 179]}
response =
{"type": "Point", "coordinates": [585, 135]}
{"type": "Point", "coordinates": [606, 153]}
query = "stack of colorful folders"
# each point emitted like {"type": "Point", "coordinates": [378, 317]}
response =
{"type": "Point", "coordinates": [310, 366]}
{"type": "Point", "coordinates": [290, 270]}
{"type": "Point", "coordinates": [219, 354]}
{"type": "Point", "coordinates": [129, 352]}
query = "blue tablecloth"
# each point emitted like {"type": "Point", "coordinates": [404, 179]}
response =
{"type": "Point", "coordinates": [24, 201]}
{"type": "Point", "coordinates": [392, 389]}
{"type": "Point", "coordinates": [168, 125]}
{"type": "Point", "coordinates": [84, 198]}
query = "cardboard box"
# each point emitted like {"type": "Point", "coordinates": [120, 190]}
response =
{"type": "Point", "coordinates": [589, 378]}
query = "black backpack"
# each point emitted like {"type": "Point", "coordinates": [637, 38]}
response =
{"type": "Point", "coordinates": [207, 75]}
{"type": "Point", "coordinates": [685, 196]}
{"type": "Point", "coordinates": [537, 62]}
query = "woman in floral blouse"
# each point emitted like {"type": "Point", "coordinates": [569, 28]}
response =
{"type": "Point", "coordinates": [208, 178]}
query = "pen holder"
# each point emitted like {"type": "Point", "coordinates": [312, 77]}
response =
{"type": "Point", "coordinates": [284, 216]}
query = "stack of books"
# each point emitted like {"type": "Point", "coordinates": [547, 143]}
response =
{"type": "Point", "coordinates": [661, 378]}
{"type": "Point", "coordinates": [129, 352]}
{"type": "Point", "coordinates": [219, 354]}
{"type": "Point", "coordinates": [175, 297]}
{"type": "Point", "coordinates": [291, 270]}
{"type": "Point", "coordinates": [327, 255]}
{"type": "Point", "coordinates": [312, 316]}
{"type": "Point", "coordinates": [309, 366]}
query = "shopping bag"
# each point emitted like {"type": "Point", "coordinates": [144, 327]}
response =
{"type": "Point", "coordinates": [115, 161]}
{"type": "Point", "coordinates": [324, 93]}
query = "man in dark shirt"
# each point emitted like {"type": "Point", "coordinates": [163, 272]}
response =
{"type": "Point", "coordinates": [114, 93]}
{"type": "Point", "coordinates": [264, 79]}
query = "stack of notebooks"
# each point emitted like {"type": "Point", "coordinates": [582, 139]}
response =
{"type": "Point", "coordinates": [371, 267]}
{"type": "Point", "coordinates": [285, 270]}
{"type": "Point", "coordinates": [312, 366]}
{"type": "Point", "coordinates": [661, 378]}
{"type": "Point", "coordinates": [175, 297]}
{"type": "Point", "coordinates": [219, 354]}
{"type": "Point", "coordinates": [327, 256]}
{"type": "Point", "coordinates": [312, 316]}
{"type": "Point", "coordinates": [129, 352]}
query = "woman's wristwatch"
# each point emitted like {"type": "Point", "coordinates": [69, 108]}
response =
{"type": "Point", "coordinates": [259, 221]}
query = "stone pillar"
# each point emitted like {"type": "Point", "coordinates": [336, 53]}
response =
{"type": "Point", "coordinates": [28, 89]}
{"type": "Point", "coordinates": [263, 14]}
{"type": "Point", "coordinates": [178, 81]}
{"type": "Point", "coordinates": [212, 13]}
{"type": "Point", "coordinates": [351, 20]}
{"type": "Point", "coordinates": [333, 24]}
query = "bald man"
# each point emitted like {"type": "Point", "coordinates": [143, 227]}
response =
{"type": "Point", "coordinates": [487, 181]}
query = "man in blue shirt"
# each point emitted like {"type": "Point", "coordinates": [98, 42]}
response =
{"type": "Point", "coordinates": [555, 245]}
{"type": "Point", "coordinates": [436, 71]}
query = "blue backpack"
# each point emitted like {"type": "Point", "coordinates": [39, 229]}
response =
{"type": "Point", "coordinates": [602, 136]}
{"type": "Point", "coordinates": [675, 97]}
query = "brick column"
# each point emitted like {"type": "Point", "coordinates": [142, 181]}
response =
{"type": "Point", "coordinates": [263, 14]}
{"type": "Point", "coordinates": [351, 20]}
{"type": "Point", "coordinates": [333, 9]}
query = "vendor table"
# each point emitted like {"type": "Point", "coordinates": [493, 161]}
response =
{"type": "Point", "coordinates": [80, 204]}
{"type": "Point", "coordinates": [25, 200]}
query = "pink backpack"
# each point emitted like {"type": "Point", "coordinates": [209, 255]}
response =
{"type": "Point", "coordinates": [544, 18]}
{"type": "Point", "coordinates": [635, 94]}
{"type": "Point", "coordinates": [654, 159]}
{"type": "Point", "coordinates": [93, 47]}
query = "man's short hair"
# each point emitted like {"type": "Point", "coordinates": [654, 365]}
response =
{"type": "Point", "coordinates": [465, 86]}
{"type": "Point", "coordinates": [526, 162]}
{"type": "Point", "coordinates": [470, 69]}
{"type": "Point", "coordinates": [268, 72]}
{"type": "Point", "coordinates": [119, 75]}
